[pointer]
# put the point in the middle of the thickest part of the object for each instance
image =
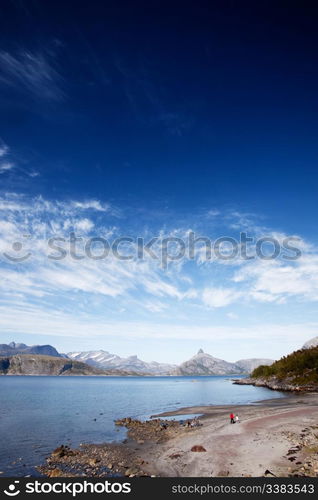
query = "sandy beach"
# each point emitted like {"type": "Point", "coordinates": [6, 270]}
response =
{"type": "Point", "coordinates": [274, 437]}
{"type": "Point", "coordinates": [262, 441]}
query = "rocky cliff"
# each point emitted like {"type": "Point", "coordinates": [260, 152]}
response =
{"type": "Point", "coordinates": [26, 364]}
{"type": "Point", "coordinates": [288, 384]}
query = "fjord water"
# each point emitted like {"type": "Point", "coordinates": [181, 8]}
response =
{"type": "Point", "coordinates": [37, 414]}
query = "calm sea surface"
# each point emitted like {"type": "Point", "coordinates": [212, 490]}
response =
{"type": "Point", "coordinates": [37, 414]}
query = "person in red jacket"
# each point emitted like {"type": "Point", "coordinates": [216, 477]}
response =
{"type": "Point", "coordinates": [232, 417]}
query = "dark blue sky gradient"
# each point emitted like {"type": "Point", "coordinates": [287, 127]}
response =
{"type": "Point", "coordinates": [198, 104]}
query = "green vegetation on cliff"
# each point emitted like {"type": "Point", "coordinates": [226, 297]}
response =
{"type": "Point", "coordinates": [300, 367]}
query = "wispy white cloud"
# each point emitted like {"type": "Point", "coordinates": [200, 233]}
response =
{"type": "Point", "coordinates": [38, 205]}
{"type": "Point", "coordinates": [276, 281]}
{"type": "Point", "coordinates": [4, 150]}
{"type": "Point", "coordinates": [21, 318]}
{"type": "Point", "coordinates": [84, 225]}
{"type": "Point", "coordinates": [219, 297]}
{"type": "Point", "coordinates": [155, 306]}
{"type": "Point", "coordinates": [120, 290]}
{"type": "Point", "coordinates": [232, 315]}
{"type": "Point", "coordinates": [213, 213]}
{"type": "Point", "coordinates": [90, 204]}
{"type": "Point", "coordinates": [6, 166]}
{"type": "Point", "coordinates": [33, 174]}
{"type": "Point", "coordinates": [8, 162]}
{"type": "Point", "coordinates": [42, 219]}
{"type": "Point", "coordinates": [31, 72]}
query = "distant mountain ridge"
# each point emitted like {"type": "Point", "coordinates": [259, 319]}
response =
{"type": "Point", "coordinates": [200, 364]}
{"type": "Point", "coordinates": [13, 348]}
{"type": "Point", "coordinates": [248, 365]}
{"type": "Point", "coordinates": [106, 360]}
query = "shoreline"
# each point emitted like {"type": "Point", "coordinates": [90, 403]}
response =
{"type": "Point", "coordinates": [276, 384]}
{"type": "Point", "coordinates": [279, 435]}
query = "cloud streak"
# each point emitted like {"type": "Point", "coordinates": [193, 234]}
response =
{"type": "Point", "coordinates": [6, 166]}
{"type": "Point", "coordinates": [21, 318]}
{"type": "Point", "coordinates": [34, 73]}
{"type": "Point", "coordinates": [4, 149]}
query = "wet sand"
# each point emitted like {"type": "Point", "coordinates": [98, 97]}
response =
{"type": "Point", "coordinates": [274, 437]}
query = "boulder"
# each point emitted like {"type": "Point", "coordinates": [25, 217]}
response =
{"type": "Point", "coordinates": [198, 448]}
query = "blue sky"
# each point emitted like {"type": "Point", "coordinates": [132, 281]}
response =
{"type": "Point", "coordinates": [155, 121]}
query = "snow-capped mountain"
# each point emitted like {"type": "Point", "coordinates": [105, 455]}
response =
{"type": "Point", "coordinates": [311, 343]}
{"type": "Point", "coordinates": [94, 358]}
{"type": "Point", "coordinates": [106, 360]}
{"type": "Point", "coordinates": [248, 365]}
{"type": "Point", "coordinates": [200, 364]}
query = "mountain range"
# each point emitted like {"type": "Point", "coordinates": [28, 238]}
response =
{"type": "Point", "coordinates": [205, 364]}
{"type": "Point", "coordinates": [201, 363]}
{"type": "Point", "coordinates": [106, 360]}
{"type": "Point", "coordinates": [13, 348]}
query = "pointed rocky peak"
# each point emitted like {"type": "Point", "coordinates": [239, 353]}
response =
{"type": "Point", "coordinates": [200, 351]}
